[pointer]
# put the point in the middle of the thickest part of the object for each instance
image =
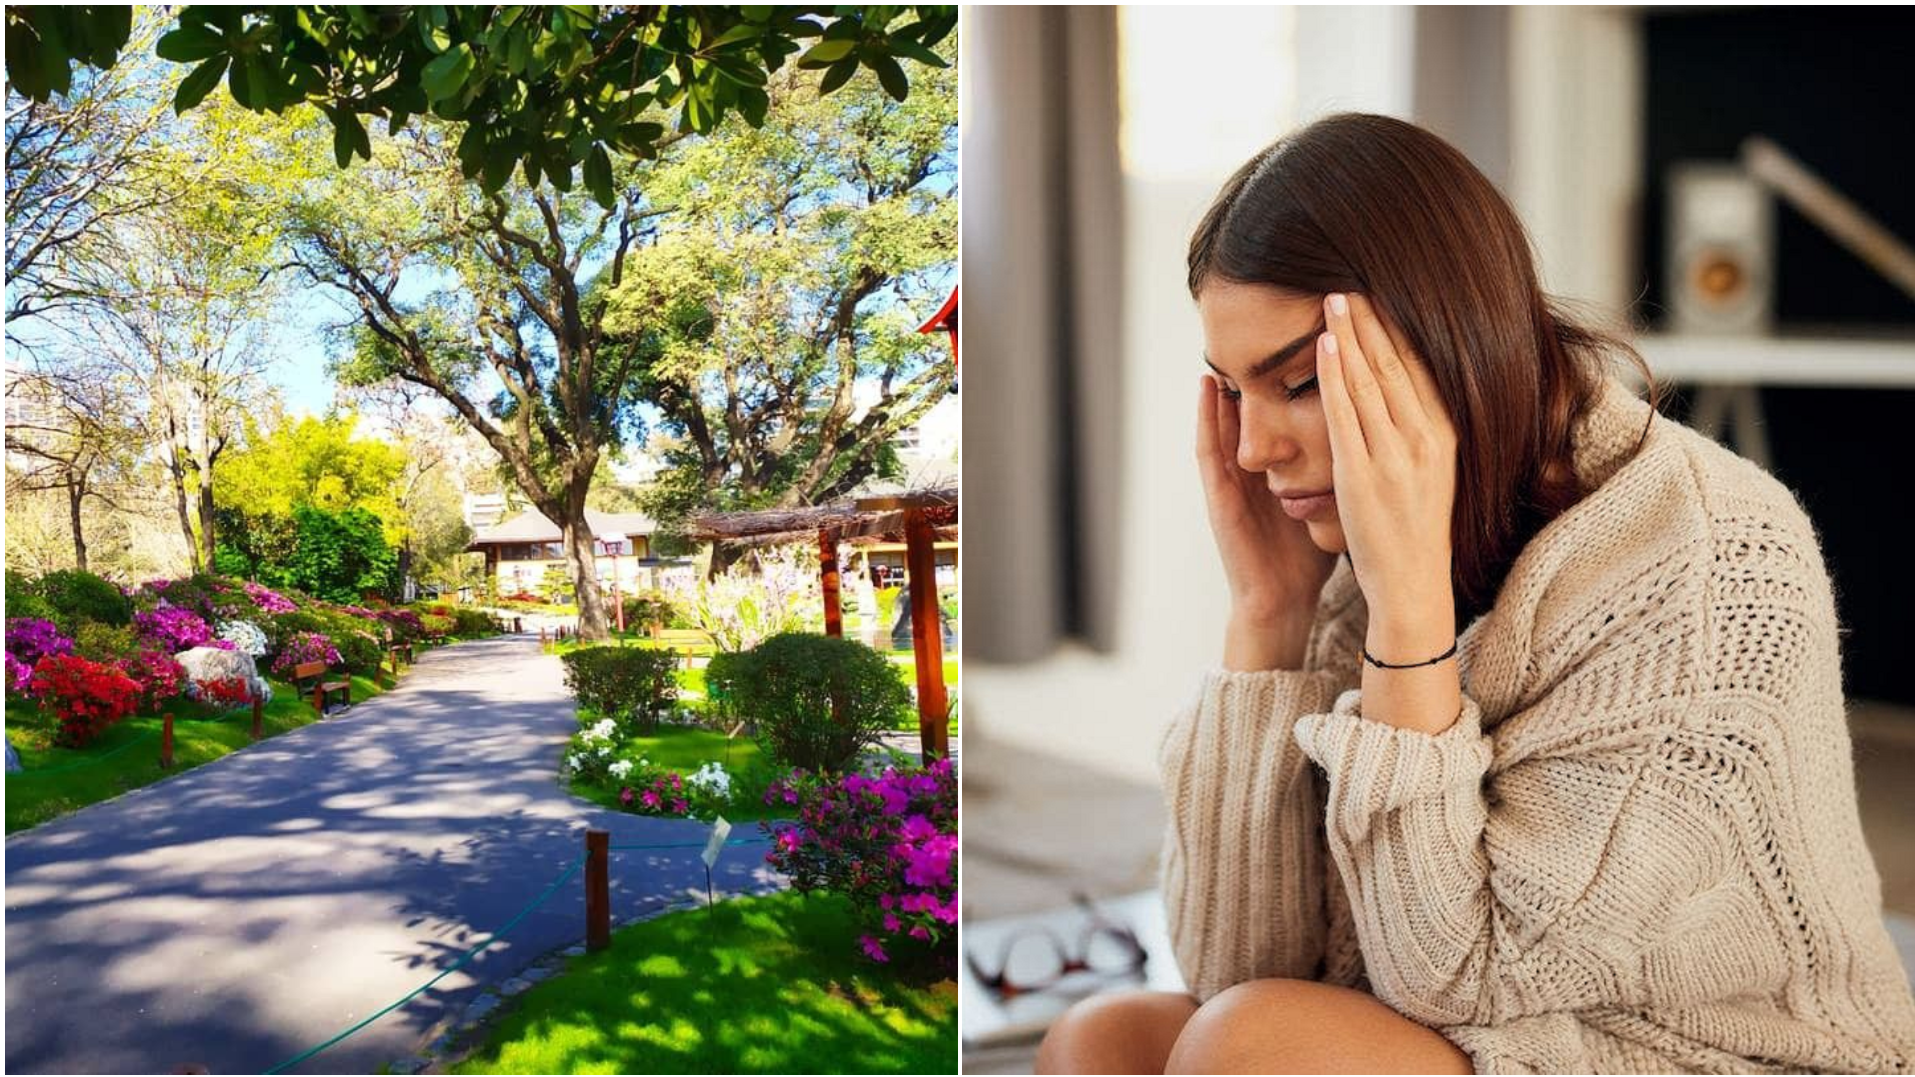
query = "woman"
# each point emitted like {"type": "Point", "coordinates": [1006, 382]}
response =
{"type": "Point", "coordinates": [1548, 771]}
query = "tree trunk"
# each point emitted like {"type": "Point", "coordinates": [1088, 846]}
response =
{"type": "Point", "coordinates": [723, 556]}
{"type": "Point", "coordinates": [74, 493]}
{"type": "Point", "coordinates": [179, 504]}
{"type": "Point", "coordinates": [207, 538]}
{"type": "Point", "coordinates": [583, 561]}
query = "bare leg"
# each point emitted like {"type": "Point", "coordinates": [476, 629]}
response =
{"type": "Point", "coordinates": [1131, 1032]}
{"type": "Point", "coordinates": [1296, 1026]}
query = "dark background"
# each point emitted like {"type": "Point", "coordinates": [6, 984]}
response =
{"type": "Point", "coordinates": [1835, 87]}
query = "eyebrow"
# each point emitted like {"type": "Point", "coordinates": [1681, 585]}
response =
{"type": "Point", "coordinates": [1276, 358]}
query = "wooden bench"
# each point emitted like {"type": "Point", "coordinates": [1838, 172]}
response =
{"type": "Point", "coordinates": [321, 688]}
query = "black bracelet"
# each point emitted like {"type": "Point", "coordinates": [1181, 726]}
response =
{"type": "Point", "coordinates": [1367, 657]}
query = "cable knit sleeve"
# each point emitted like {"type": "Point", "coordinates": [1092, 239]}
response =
{"type": "Point", "coordinates": [1243, 856]}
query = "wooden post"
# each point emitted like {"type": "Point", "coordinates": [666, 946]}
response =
{"type": "Point", "coordinates": [927, 634]}
{"type": "Point", "coordinates": [259, 715]}
{"type": "Point", "coordinates": [166, 741]}
{"type": "Point", "coordinates": [541, 635]}
{"type": "Point", "coordinates": [598, 890]}
{"type": "Point", "coordinates": [828, 573]}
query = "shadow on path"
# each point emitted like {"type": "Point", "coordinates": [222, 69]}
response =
{"type": "Point", "coordinates": [257, 905]}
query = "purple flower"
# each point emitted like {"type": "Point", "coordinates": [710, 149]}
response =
{"type": "Point", "coordinates": [30, 639]}
{"type": "Point", "coordinates": [873, 949]}
{"type": "Point", "coordinates": [650, 799]}
{"type": "Point", "coordinates": [173, 628]}
{"type": "Point", "coordinates": [266, 601]}
{"type": "Point", "coordinates": [891, 922]}
{"type": "Point", "coordinates": [305, 647]}
{"type": "Point", "coordinates": [920, 932]}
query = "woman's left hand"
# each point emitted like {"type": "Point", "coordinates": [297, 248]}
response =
{"type": "Point", "coordinates": [1393, 453]}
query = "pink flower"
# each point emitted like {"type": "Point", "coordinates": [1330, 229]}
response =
{"type": "Point", "coordinates": [891, 922]}
{"type": "Point", "coordinates": [917, 828]}
{"type": "Point", "coordinates": [650, 799]}
{"type": "Point", "coordinates": [625, 796]}
{"type": "Point", "coordinates": [873, 949]}
{"type": "Point", "coordinates": [920, 932]}
{"type": "Point", "coordinates": [681, 807]}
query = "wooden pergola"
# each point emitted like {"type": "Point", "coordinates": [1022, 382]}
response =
{"type": "Point", "coordinates": [923, 517]}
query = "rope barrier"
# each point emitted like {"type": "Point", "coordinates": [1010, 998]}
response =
{"type": "Point", "coordinates": [456, 966]}
{"type": "Point", "coordinates": [564, 876]}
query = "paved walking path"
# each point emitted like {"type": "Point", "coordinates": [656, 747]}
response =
{"type": "Point", "coordinates": [251, 908]}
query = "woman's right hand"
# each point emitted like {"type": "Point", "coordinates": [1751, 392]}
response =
{"type": "Point", "coordinates": [1276, 573]}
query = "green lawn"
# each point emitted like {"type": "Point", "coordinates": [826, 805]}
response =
{"type": "Point", "coordinates": [685, 750]}
{"type": "Point", "coordinates": [756, 985]}
{"type": "Point", "coordinates": [56, 781]}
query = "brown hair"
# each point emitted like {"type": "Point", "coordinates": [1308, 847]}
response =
{"type": "Point", "coordinates": [1364, 203]}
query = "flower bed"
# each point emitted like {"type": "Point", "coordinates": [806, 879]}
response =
{"type": "Point", "coordinates": [889, 843]}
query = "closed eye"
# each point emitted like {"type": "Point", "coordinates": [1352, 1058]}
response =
{"type": "Point", "coordinates": [1301, 390]}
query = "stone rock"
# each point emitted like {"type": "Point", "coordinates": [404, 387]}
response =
{"type": "Point", "coordinates": [13, 758]}
{"type": "Point", "coordinates": [408, 1065]}
{"type": "Point", "coordinates": [214, 664]}
{"type": "Point", "coordinates": [574, 951]}
{"type": "Point", "coordinates": [517, 985]}
{"type": "Point", "coordinates": [535, 974]}
{"type": "Point", "coordinates": [481, 1008]}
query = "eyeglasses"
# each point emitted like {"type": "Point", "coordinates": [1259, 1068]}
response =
{"type": "Point", "coordinates": [1036, 958]}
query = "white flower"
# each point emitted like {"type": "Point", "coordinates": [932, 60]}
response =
{"type": "Point", "coordinates": [572, 761]}
{"type": "Point", "coordinates": [244, 636]}
{"type": "Point", "coordinates": [712, 779]}
{"type": "Point", "coordinates": [620, 770]}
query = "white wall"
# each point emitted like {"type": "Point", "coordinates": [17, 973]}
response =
{"type": "Point", "coordinates": [1204, 89]}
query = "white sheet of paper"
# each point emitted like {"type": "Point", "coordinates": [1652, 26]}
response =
{"type": "Point", "coordinates": [720, 830]}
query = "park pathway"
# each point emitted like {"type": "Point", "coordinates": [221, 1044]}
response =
{"type": "Point", "coordinates": [251, 908]}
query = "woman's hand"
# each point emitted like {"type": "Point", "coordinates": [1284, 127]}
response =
{"type": "Point", "coordinates": [1275, 572]}
{"type": "Point", "coordinates": [1393, 452]}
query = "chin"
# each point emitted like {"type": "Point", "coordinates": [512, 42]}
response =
{"type": "Point", "coordinates": [1328, 537]}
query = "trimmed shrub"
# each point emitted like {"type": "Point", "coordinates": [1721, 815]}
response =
{"type": "Point", "coordinates": [81, 596]}
{"type": "Point", "coordinates": [302, 648]}
{"type": "Point", "coordinates": [816, 701]}
{"type": "Point", "coordinates": [283, 627]}
{"type": "Point", "coordinates": [23, 600]}
{"type": "Point", "coordinates": [629, 685]}
{"type": "Point", "coordinates": [652, 606]}
{"type": "Point", "coordinates": [467, 622]}
{"type": "Point", "coordinates": [360, 651]}
{"type": "Point", "coordinates": [436, 625]}
{"type": "Point", "coordinates": [105, 643]}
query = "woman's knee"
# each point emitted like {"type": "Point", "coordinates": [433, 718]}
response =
{"type": "Point", "coordinates": [1127, 1032]}
{"type": "Point", "coordinates": [1297, 1026]}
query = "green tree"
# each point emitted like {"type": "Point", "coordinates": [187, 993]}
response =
{"type": "Point", "coordinates": [549, 90]}
{"type": "Point", "coordinates": [783, 292]}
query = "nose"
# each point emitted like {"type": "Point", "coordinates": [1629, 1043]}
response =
{"type": "Point", "coordinates": [1262, 440]}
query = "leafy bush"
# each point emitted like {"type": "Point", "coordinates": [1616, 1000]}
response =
{"type": "Point", "coordinates": [888, 843]}
{"type": "Point", "coordinates": [283, 627]}
{"type": "Point", "coordinates": [360, 651]}
{"type": "Point", "coordinates": [467, 622]}
{"type": "Point", "coordinates": [105, 643]}
{"type": "Point", "coordinates": [436, 625]}
{"type": "Point", "coordinates": [267, 600]}
{"type": "Point", "coordinates": [747, 605]}
{"type": "Point", "coordinates": [81, 596]}
{"type": "Point", "coordinates": [629, 685]}
{"type": "Point", "coordinates": [24, 600]}
{"type": "Point", "coordinates": [207, 596]}
{"type": "Point", "coordinates": [816, 701]}
{"type": "Point", "coordinates": [650, 790]}
{"type": "Point", "coordinates": [651, 607]}
{"type": "Point", "coordinates": [304, 647]}
{"type": "Point", "coordinates": [86, 697]}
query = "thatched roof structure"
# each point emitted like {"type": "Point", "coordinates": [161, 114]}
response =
{"type": "Point", "coordinates": [871, 519]}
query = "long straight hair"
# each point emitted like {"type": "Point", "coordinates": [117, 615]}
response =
{"type": "Point", "coordinates": [1364, 203]}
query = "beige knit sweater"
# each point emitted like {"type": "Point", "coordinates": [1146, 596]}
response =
{"type": "Point", "coordinates": [1638, 847]}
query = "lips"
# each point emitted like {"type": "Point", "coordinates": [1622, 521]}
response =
{"type": "Point", "coordinates": [1303, 504]}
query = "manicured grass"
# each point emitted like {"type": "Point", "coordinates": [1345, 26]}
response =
{"type": "Point", "coordinates": [754, 985]}
{"type": "Point", "coordinates": [56, 781]}
{"type": "Point", "coordinates": [685, 750]}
